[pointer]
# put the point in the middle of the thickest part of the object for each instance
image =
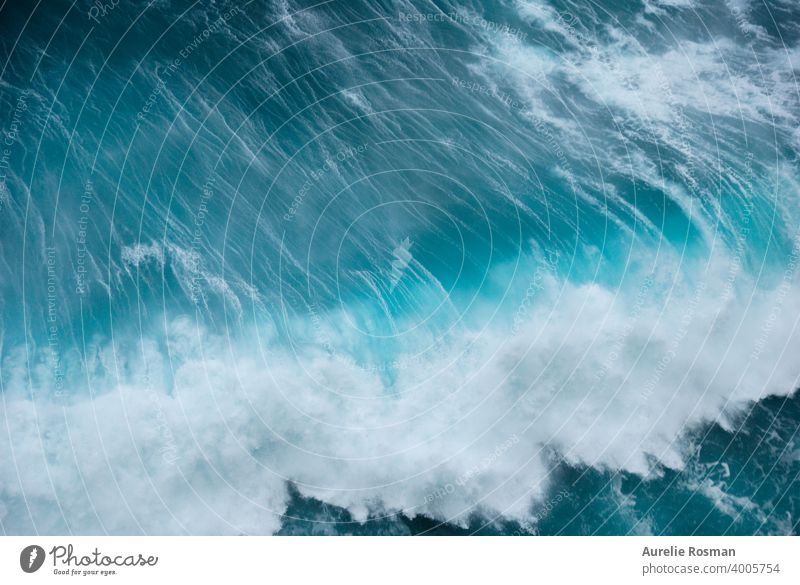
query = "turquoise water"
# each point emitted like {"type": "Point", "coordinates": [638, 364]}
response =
{"type": "Point", "coordinates": [399, 267]}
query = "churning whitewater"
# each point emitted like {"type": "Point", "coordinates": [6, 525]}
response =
{"type": "Point", "coordinates": [513, 266]}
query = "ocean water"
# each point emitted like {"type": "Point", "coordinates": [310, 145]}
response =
{"type": "Point", "coordinates": [407, 267]}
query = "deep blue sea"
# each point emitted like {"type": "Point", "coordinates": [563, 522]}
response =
{"type": "Point", "coordinates": [400, 267]}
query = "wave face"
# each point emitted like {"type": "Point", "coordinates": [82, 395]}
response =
{"type": "Point", "coordinates": [400, 267]}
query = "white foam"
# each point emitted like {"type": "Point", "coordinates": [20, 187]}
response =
{"type": "Point", "coordinates": [608, 381]}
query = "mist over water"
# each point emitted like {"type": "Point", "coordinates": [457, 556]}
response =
{"type": "Point", "coordinates": [512, 267]}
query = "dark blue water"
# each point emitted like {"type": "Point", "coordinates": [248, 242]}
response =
{"type": "Point", "coordinates": [399, 267]}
